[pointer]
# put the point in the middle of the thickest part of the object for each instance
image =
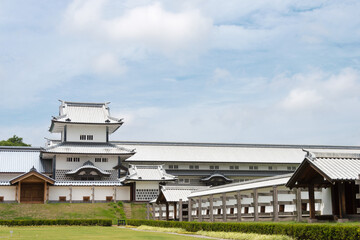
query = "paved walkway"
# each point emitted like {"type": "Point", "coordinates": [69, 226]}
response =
{"type": "Point", "coordinates": [180, 234]}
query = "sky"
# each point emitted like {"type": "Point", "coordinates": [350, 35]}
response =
{"type": "Point", "coordinates": [271, 72]}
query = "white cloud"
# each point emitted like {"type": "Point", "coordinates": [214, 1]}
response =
{"type": "Point", "coordinates": [109, 64]}
{"type": "Point", "coordinates": [302, 98]}
{"type": "Point", "coordinates": [149, 26]}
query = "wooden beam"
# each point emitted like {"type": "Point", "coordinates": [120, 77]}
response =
{"type": "Point", "coordinates": [298, 205]}
{"type": "Point", "coordinates": [341, 192]}
{"type": "Point", "coordinates": [180, 210]}
{"type": "Point", "coordinates": [311, 201]}
{"type": "Point", "coordinates": [93, 195]}
{"type": "Point", "coordinates": [275, 205]}
{"type": "Point", "coordinates": [147, 211]}
{"type": "Point", "coordinates": [175, 210]}
{"type": "Point", "coordinates": [211, 208]}
{"type": "Point", "coordinates": [16, 193]}
{"type": "Point", "coordinates": [256, 205]}
{"type": "Point", "coordinates": [160, 212]}
{"type": "Point", "coordinates": [114, 194]}
{"type": "Point", "coordinates": [238, 205]}
{"type": "Point", "coordinates": [224, 206]}
{"type": "Point", "coordinates": [167, 211]}
{"type": "Point", "coordinates": [190, 209]}
{"type": "Point", "coordinates": [200, 210]}
{"type": "Point", "coordinates": [70, 194]}
{"type": "Point", "coordinates": [153, 210]}
{"type": "Point", "coordinates": [45, 192]}
{"type": "Point", "coordinates": [19, 192]}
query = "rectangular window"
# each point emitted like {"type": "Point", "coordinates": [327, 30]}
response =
{"type": "Point", "coordinates": [90, 137]}
{"type": "Point", "coordinates": [253, 167]}
{"type": "Point", "coordinates": [191, 167]}
{"type": "Point", "coordinates": [281, 208]}
{"type": "Point", "coordinates": [1, 198]}
{"type": "Point", "coordinates": [236, 167]}
{"type": "Point", "coordinates": [289, 168]}
{"type": "Point", "coordinates": [76, 159]}
{"type": "Point", "coordinates": [97, 159]}
{"type": "Point", "coordinates": [211, 167]}
{"type": "Point", "coordinates": [171, 166]}
{"type": "Point", "coordinates": [270, 168]}
{"type": "Point", "coordinates": [82, 137]}
{"type": "Point", "coordinates": [109, 198]}
{"type": "Point", "coordinates": [232, 210]}
{"type": "Point", "coordinates": [62, 198]}
{"type": "Point", "coordinates": [262, 209]}
{"type": "Point", "coordinates": [216, 167]}
{"type": "Point", "coordinates": [231, 167]}
{"type": "Point", "coordinates": [196, 166]}
{"type": "Point", "coordinates": [246, 210]}
{"type": "Point", "coordinates": [219, 211]}
{"type": "Point", "coordinates": [104, 159]}
{"type": "Point", "coordinates": [69, 159]}
{"type": "Point", "coordinates": [184, 180]}
{"type": "Point", "coordinates": [86, 198]}
{"type": "Point", "coordinates": [293, 168]}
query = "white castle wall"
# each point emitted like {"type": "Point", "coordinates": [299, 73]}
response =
{"type": "Point", "coordinates": [8, 192]}
{"type": "Point", "coordinates": [74, 132]}
{"type": "Point", "coordinates": [62, 164]}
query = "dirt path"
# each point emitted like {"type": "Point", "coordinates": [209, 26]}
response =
{"type": "Point", "coordinates": [127, 210]}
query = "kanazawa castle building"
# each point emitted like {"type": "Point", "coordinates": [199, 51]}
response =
{"type": "Point", "coordinates": [84, 166]}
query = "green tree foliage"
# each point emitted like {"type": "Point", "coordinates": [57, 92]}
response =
{"type": "Point", "coordinates": [14, 141]}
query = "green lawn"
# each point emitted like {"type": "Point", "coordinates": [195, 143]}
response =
{"type": "Point", "coordinates": [76, 232]}
{"type": "Point", "coordinates": [71, 211]}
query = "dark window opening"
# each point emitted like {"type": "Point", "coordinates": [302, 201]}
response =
{"type": "Point", "coordinates": [303, 206]}
{"type": "Point", "coordinates": [246, 210]}
{"type": "Point", "coordinates": [219, 211]}
{"type": "Point", "coordinates": [86, 198]}
{"type": "Point", "coordinates": [1, 198]}
{"type": "Point", "coordinates": [262, 209]}
{"type": "Point", "coordinates": [281, 208]}
{"type": "Point", "coordinates": [62, 199]}
{"type": "Point", "coordinates": [109, 198]}
{"type": "Point", "coordinates": [231, 210]}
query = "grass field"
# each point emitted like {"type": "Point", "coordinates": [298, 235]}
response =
{"type": "Point", "coordinates": [71, 232]}
{"type": "Point", "coordinates": [72, 211]}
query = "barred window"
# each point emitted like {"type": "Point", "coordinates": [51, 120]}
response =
{"type": "Point", "coordinates": [82, 137]}
{"type": "Point", "coordinates": [90, 137]}
{"type": "Point", "coordinates": [69, 159]}
{"type": "Point", "coordinates": [104, 159]}
{"type": "Point", "coordinates": [76, 159]}
{"type": "Point", "coordinates": [97, 159]}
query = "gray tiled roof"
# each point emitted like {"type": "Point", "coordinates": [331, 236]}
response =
{"type": "Point", "coordinates": [148, 173]}
{"type": "Point", "coordinates": [20, 159]}
{"type": "Point", "coordinates": [175, 193]}
{"type": "Point", "coordinates": [337, 166]}
{"type": "Point", "coordinates": [77, 112]}
{"type": "Point", "coordinates": [88, 148]}
{"type": "Point", "coordinates": [88, 183]}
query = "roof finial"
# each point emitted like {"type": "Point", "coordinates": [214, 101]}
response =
{"type": "Point", "coordinates": [33, 169]}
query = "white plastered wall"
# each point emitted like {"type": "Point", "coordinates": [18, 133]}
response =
{"type": "Point", "coordinates": [56, 192]}
{"type": "Point", "coordinates": [147, 185]}
{"type": "Point", "coordinates": [8, 192]}
{"type": "Point", "coordinates": [74, 131]}
{"type": "Point", "coordinates": [79, 192]}
{"type": "Point", "coordinates": [123, 193]}
{"type": "Point", "coordinates": [62, 164]}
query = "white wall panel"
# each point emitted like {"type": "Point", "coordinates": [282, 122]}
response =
{"type": "Point", "coordinates": [123, 193]}
{"type": "Point", "coordinates": [74, 132]}
{"type": "Point", "coordinates": [56, 192]}
{"type": "Point", "coordinates": [8, 192]}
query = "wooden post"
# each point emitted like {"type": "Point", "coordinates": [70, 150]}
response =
{"type": "Point", "coordinates": [160, 212]}
{"type": "Point", "coordinates": [180, 210]}
{"type": "Point", "coordinates": [256, 206]}
{"type": "Point", "coordinates": [45, 191]}
{"type": "Point", "coordinates": [70, 194]}
{"type": "Point", "coordinates": [175, 211]}
{"type": "Point", "coordinates": [93, 195]}
{"type": "Point", "coordinates": [114, 194]}
{"type": "Point", "coordinates": [16, 193]}
{"type": "Point", "coordinates": [275, 205]}
{"type": "Point", "coordinates": [190, 209]}
{"type": "Point", "coordinates": [153, 210]}
{"type": "Point", "coordinates": [147, 211]}
{"type": "Point", "coordinates": [341, 192]}
{"type": "Point", "coordinates": [211, 208]}
{"type": "Point", "coordinates": [19, 192]}
{"type": "Point", "coordinates": [311, 201]}
{"type": "Point", "coordinates": [298, 205]}
{"type": "Point", "coordinates": [200, 210]}
{"type": "Point", "coordinates": [167, 211]}
{"type": "Point", "coordinates": [238, 205]}
{"type": "Point", "coordinates": [224, 206]}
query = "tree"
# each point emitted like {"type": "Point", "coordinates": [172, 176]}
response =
{"type": "Point", "coordinates": [14, 141]}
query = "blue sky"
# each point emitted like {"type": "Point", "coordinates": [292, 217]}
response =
{"type": "Point", "coordinates": [199, 71]}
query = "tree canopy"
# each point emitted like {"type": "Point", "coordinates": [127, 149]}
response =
{"type": "Point", "coordinates": [14, 141]}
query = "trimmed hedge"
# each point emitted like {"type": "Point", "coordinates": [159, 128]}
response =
{"type": "Point", "coordinates": [39, 222]}
{"type": "Point", "coordinates": [295, 230]}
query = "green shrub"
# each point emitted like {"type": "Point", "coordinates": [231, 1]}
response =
{"type": "Point", "coordinates": [297, 231]}
{"type": "Point", "coordinates": [39, 222]}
